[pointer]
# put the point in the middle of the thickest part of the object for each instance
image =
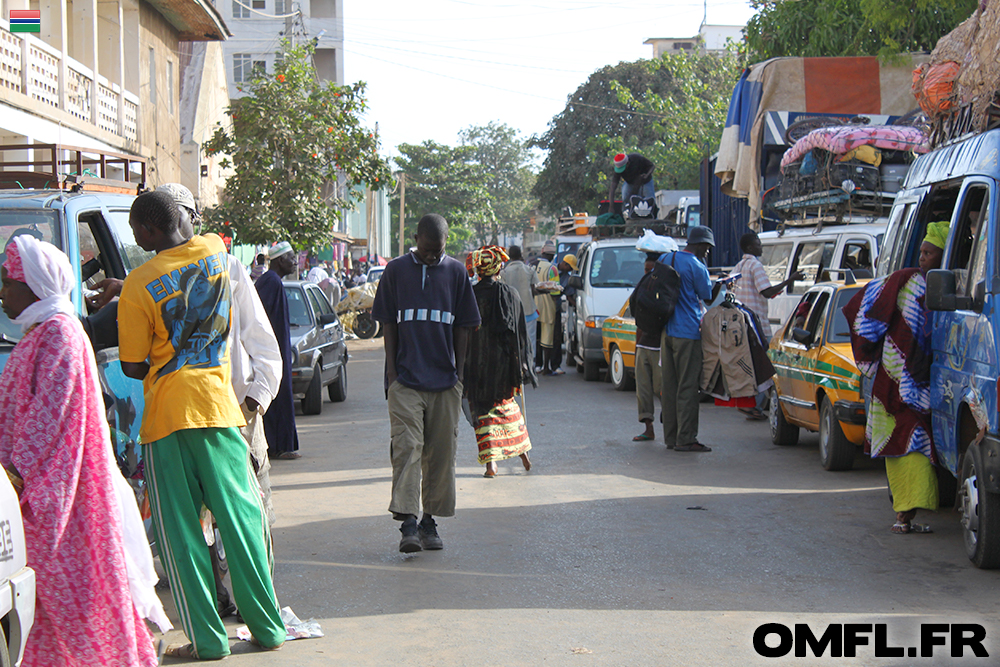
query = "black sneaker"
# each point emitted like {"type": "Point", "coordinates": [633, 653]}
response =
{"type": "Point", "coordinates": [410, 542]}
{"type": "Point", "coordinates": [429, 538]}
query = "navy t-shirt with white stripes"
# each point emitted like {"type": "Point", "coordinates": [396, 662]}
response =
{"type": "Point", "coordinates": [427, 302]}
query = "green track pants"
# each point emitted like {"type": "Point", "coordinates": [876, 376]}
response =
{"type": "Point", "coordinates": [211, 466]}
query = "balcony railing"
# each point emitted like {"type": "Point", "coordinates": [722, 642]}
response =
{"type": "Point", "coordinates": [31, 67]}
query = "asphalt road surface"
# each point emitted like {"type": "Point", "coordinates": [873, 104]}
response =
{"type": "Point", "coordinates": [612, 552]}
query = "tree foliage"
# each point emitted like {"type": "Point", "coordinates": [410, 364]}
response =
{"type": "Point", "coordinates": [687, 123]}
{"type": "Point", "coordinates": [481, 187]}
{"type": "Point", "coordinates": [290, 139]}
{"type": "Point", "coordinates": [667, 109]}
{"type": "Point", "coordinates": [850, 27]}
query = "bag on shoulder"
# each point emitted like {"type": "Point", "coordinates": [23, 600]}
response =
{"type": "Point", "coordinates": [656, 301]}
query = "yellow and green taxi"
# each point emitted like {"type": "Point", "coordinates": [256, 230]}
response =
{"type": "Point", "coordinates": [817, 385]}
{"type": "Point", "coordinates": [618, 342]}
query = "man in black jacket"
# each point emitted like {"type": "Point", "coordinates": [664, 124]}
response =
{"type": "Point", "coordinates": [647, 361]}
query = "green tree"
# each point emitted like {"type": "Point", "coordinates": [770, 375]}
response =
{"type": "Point", "coordinates": [291, 138]}
{"type": "Point", "coordinates": [687, 123]}
{"type": "Point", "coordinates": [482, 186]}
{"type": "Point", "coordinates": [439, 179]}
{"type": "Point", "coordinates": [667, 109]}
{"type": "Point", "coordinates": [502, 158]}
{"type": "Point", "coordinates": [850, 27]}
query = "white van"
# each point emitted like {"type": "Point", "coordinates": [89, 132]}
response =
{"type": "Point", "coordinates": [609, 270]}
{"type": "Point", "coordinates": [813, 251]}
{"type": "Point", "coordinates": [17, 580]}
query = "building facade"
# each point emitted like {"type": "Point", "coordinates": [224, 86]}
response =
{"type": "Point", "coordinates": [710, 39]}
{"type": "Point", "coordinates": [260, 26]}
{"type": "Point", "coordinates": [102, 75]}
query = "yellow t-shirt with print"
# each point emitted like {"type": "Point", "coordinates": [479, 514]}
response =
{"type": "Point", "coordinates": [174, 311]}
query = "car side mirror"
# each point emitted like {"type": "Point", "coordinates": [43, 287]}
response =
{"type": "Point", "coordinates": [575, 282]}
{"type": "Point", "coordinates": [801, 336]}
{"type": "Point", "coordinates": [941, 290]}
{"type": "Point", "coordinates": [327, 318]}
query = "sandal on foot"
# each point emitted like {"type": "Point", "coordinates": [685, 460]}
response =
{"type": "Point", "coordinates": [754, 415]}
{"type": "Point", "coordinates": [899, 528]}
{"type": "Point", "coordinates": [490, 474]}
{"type": "Point", "coordinates": [525, 462]}
{"type": "Point", "coordinates": [642, 437]}
{"type": "Point", "coordinates": [693, 447]}
{"type": "Point", "coordinates": [185, 652]}
{"type": "Point", "coordinates": [905, 528]}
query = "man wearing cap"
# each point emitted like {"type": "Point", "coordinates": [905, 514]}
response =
{"type": "Point", "coordinates": [680, 345]}
{"type": "Point", "coordinates": [635, 172]}
{"type": "Point", "coordinates": [545, 301]}
{"type": "Point", "coordinates": [566, 265]}
{"type": "Point", "coordinates": [279, 420]}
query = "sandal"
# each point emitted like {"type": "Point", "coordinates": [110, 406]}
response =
{"type": "Point", "coordinates": [900, 528]}
{"type": "Point", "coordinates": [642, 437]}
{"type": "Point", "coordinates": [185, 652]}
{"type": "Point", "coordinates": [693, 447]}
{"type": "Point", "coordinates": [754, 414]}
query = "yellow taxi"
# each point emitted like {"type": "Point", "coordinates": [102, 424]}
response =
{"type": "Point", "coordinates": [618, 342]}
{"type": "Point", "coordinates": [817, 385]}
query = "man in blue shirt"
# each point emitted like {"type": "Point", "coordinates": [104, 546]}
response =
{"type": "Point", "coordinates": [426, 306]}
{"type": "Point", "coordinates": [680, 346]}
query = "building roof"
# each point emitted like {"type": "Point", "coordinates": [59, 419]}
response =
{"type": "Point", "coordinates": [195, 20]}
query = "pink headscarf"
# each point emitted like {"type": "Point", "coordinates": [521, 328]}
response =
{"type": "Point", "coordinates": [13, 264]}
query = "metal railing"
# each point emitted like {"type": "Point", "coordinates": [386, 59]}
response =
{"type": "Point", "coordinates": [32, 68]}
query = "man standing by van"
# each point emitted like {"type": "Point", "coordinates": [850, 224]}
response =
{"type": "Point", "coordinates": [753, 289]}
{"type": "Point", "coordinates": [680, 346]}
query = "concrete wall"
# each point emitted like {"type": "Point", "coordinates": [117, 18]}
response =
{"type": "Point", "coordinates": [159, 127]}
{"type": "Point", "coordinates": [204, 101]}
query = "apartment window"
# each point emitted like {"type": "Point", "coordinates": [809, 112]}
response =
{"type": "Point", "coordinates": [259, 5]}
{"type": "Point", "coordinates": [170, 86]}
{"type": "Point", "coordinates": [239, 11]}
{"type": "Point", "coordinates": [259, 67]}
{"type": "Point", "coordinates": [323, 9]}
{"type": "Point", "coordinates": [241, 67]}
{"type": "Point", "coordinates": [152, 76]}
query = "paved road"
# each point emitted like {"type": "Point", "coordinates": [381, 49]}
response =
{"type": "Point", "coordinates": [608, 552]}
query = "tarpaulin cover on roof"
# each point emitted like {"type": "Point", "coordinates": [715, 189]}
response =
{"type": "Point", "coordinates": [810, 85]}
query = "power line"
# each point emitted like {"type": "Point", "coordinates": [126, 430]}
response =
{"type": "Point", "coordinates": [270, 16]}
{"type": "Point", "coordinates": [515, 92]}
{"type": "Point", "coordinates": [472, 60]}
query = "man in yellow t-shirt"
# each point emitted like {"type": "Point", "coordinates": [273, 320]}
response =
{"type": "Point", "coordinates": [173, 322]}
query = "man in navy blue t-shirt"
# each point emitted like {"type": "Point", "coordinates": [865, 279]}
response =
{"type": "Point", "coordinates": [426, 306]}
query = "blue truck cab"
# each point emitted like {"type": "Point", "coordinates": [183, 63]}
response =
{"type": "Point", "coordinates": [92, 229]}
{"type": "Point", "coordinates": [958, 183]}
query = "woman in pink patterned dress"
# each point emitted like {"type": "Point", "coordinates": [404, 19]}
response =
{"type": "Point", "coordinates": [54, 436]}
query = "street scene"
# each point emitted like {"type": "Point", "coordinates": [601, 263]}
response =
{"type": "Point", "coordinates": [608, 551]}
{"type": "Point", "coordinates": [457, 333]}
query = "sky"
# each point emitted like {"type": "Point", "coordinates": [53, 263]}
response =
{"type": "Point", "coordinates": [435, 67]}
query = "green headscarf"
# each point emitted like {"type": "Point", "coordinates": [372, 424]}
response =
{"type": "Point", "coordinates": [937, 233]}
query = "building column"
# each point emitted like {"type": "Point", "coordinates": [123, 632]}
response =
{"type": "Point", "coordinates": [54, 20]}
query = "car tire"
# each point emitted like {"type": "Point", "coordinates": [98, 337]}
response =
{"type": "Point", "coordinates": [338, 390]}
{"type": "Point", "coordinates": [980, 512]}
{"type": "Point", "coordinates": [591, 371]}
{"type": "Point", "coordinates": [312, 402]}
{"type": "Point", "coordinates": [365, 326]}
{"type": "Point", "coordinates": [836, 452]}
{"type": "Point", "coordinates": [618, 372]}
{"type": "Point", "coordinates": [5, 660]}
{"type": "Point", "coordinates": [782, 433]}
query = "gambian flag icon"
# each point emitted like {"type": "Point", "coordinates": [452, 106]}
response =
{"type": "Point", "coordinates": [25, 20]}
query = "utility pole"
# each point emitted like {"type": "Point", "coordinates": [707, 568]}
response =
{"type": "Point", "coordinates": [402, 209]}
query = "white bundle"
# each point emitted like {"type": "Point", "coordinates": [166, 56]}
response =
{"type": "Point", "coordinates": [650, 242]}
